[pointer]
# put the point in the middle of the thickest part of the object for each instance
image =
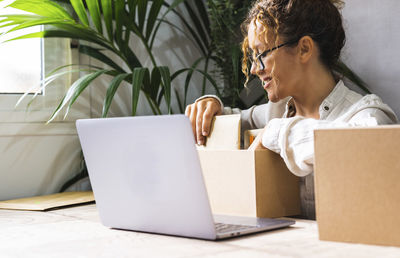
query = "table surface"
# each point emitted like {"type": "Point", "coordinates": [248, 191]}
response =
{"type": "Point", "coordinates": [77, 232]}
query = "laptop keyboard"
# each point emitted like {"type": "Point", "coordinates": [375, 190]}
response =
{"type": "Point", "coordinates": [224, 228]}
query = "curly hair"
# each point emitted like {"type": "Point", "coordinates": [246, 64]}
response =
{"type": "Point", "coordinates": [293, 19]}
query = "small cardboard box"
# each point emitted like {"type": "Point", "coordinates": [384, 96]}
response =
{"type": "Point", "coordinates": [357, 180]}
{"type": "Point", "coordinates": [249, 183]}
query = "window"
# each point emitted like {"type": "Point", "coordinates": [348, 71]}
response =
{"type": "Point", "coordinates": [23, 65]}
{"type": "Point", "coordinates": [21, 61]}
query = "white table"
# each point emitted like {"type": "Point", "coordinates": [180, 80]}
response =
{"type": "Point", "coordinates": [77, 232]}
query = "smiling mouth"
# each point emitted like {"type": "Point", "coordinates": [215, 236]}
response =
{"type": "Point", "coordinates": [267, 82]}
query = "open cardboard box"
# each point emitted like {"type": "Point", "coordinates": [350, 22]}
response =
{"type": "Point", "coordinates": [249, 183]}
{"type": "Point", "coordinates": [357, 180]}
{"type": "Point", "coordinates": [243, 182]}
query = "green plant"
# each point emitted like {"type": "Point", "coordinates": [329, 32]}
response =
{"type": "Point", "coordinates": [225, 19]}
{"type": "Point", "coordinates": [104, 29]}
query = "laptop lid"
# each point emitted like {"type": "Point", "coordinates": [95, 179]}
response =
{"type": "Point", "coordinates": [146, 175]}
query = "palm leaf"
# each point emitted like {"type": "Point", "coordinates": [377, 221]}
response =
{"type": "Point", "coordinates": [142, 11]}
{"type": "Point", "coordinates": [132, 9]}
{"type": "Point", "coordinates": [180, 104]}
{"type": "Point", "coordinates": [137, 81]}
{"type": "Point", "coordinates": [132, 60]}
{"type": "Point", "coordinates": [166, 82]}
{"type": "Point", "coordinates": [80, 11]}
{"type": "Point", "coordinates": [189, 77]}
{"type": "Point", "coordinates": [73, 92]}
{"type": "Point", "coordinates": [97, 54]}
{"type": "Point", "coordinates": [94, 10]}
{"type": "Point", "coordinates": [153, 14]}
{"type": "Point", "coordinates": [128, 18]}
{"type": "Point", "coordinates": [37, 22]}
{"type": "Point", "coordinates": [88, 68]}
{"type": "Point", "coordinates": [146, 82]}
{"type": "Point", "coordinates": [45, 8]}
{"type": "Point", "coordinates": [153, 105]}
{"type": "Point", "coordinates": [112, 89]}
{"type": "Point", "coordinates": [208, 77]}
{"type": "Point", "coordinates": [119, 12]}
{"type": "Point", "coordinates": [195, 44]}
{"type": "Point", "coordinates": [155, 82]}
{"type": "Point", "coordinates": [82, 86]}
{"type": "Point", "coordinates": [68, 31]}
{"type": "Point", "coordinates": [170, 8]}
{"type": "Point", "coordinates": [201, 8]}
{"type": "Point", "coordinates": [197, 23]}
{"type": "Point", "coordinates": [106, 6]}
{"type": "Point", "coordinates": [204, 46]}
{"type": "Point", "coordinates": [133, 27]}
{"type": "Point", "coordinates": [21, 18]}
{"type": "Point", "coordinates": [44, 83]}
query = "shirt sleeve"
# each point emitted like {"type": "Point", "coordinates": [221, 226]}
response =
{"type": "Point", "coordinates": [293, 138]}
{"type": "Point", "coordinates": [256, 116]}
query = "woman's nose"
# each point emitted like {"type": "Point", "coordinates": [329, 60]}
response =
{"type": "Point", "coordinates": [256, 68]}
{"type": "Point", "coordinates": [253, 69]}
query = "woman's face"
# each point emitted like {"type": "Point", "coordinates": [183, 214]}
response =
{"type": "Point", "coordinates": [281, 72]}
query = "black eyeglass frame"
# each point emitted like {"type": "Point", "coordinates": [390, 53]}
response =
{"type": "Point", "coordinates": [263, 54]}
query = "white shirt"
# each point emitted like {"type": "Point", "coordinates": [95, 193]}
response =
{"type": "Point", "coordinates": [293, 137]}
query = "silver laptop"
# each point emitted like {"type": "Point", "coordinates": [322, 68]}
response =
{"type": "Point", "coordinates": [146, 176]}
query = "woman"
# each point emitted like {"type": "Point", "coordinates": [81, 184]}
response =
{"type": "Point", "coordinates": [293, 46]}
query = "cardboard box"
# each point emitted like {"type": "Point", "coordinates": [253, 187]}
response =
{"type": "Point", "coordinates": [224, 133]}
{"type": "Point", "coordinates": [249, 183]}
{"type": "Point", "coordinates": [357, 180]}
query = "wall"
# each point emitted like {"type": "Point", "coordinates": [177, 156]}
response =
{"type": "Point", "coordinates": [372, 48]}
{"type": "Point", "coordinates": [36, 158]}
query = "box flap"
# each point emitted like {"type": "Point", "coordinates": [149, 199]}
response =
{"type": "Point", "coordinates": [224, 134]}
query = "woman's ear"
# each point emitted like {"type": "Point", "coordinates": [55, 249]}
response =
{"type": "Point", "coordinates": [307, 47]}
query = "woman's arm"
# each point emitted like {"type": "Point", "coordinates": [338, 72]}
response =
{"type": "Point", "coordinates": [293, 138]}
{"type": "Point", "coordinates": [206, 107]}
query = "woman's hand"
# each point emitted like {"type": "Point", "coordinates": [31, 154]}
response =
{"type": "Point", "coordinates": [201, 114]}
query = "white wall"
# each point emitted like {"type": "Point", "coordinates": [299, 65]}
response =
{"type": "Point", "coordinates": [36, 158]}
{"type": "Point", "coordinates": [372, 49]}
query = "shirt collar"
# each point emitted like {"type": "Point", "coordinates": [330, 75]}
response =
{"type": "Point", "coordinates": [327, 104]}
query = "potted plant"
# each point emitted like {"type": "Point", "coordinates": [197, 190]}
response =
{"type": "Point", "coordinates": [104, 29]}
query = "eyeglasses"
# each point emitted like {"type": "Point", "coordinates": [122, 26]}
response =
{"type": "Point", "coordinates": [264, 54]}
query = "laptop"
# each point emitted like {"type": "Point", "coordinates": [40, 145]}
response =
{"type": "Point", "coordinates": [146, 176]}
